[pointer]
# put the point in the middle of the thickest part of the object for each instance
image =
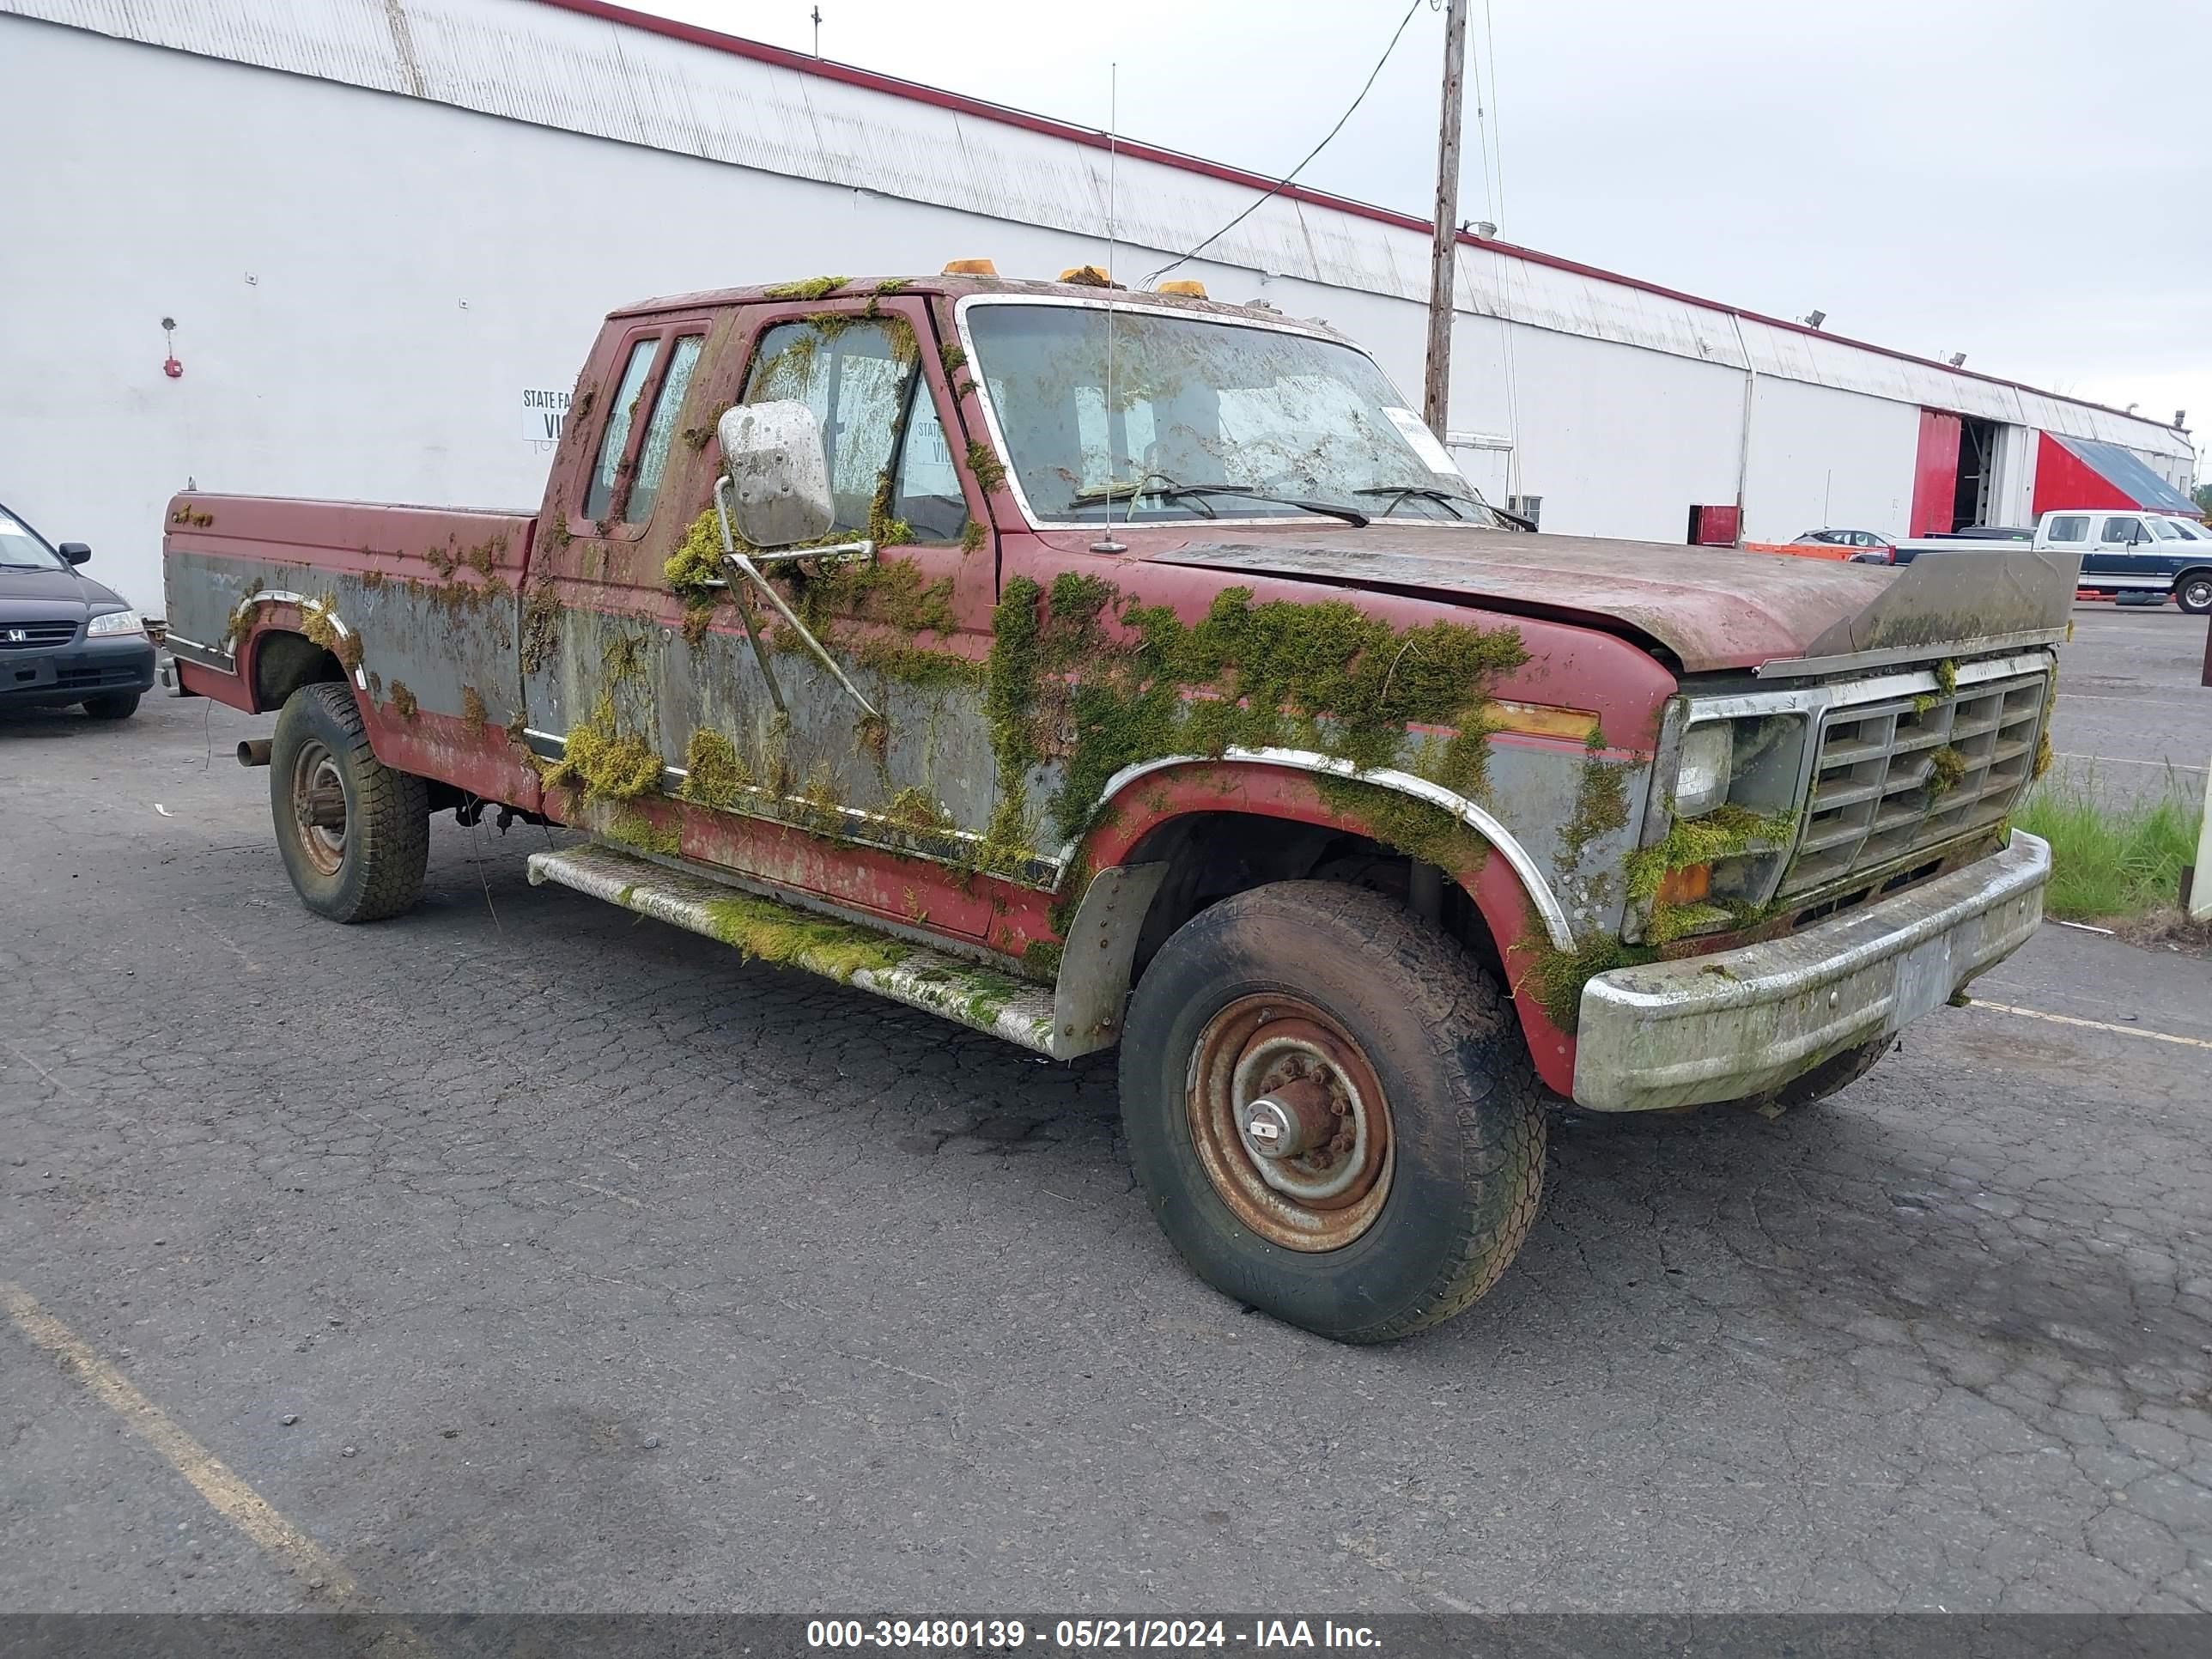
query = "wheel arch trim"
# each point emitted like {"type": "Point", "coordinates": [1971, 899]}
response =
{"type": "Point", "coordinates": [1545, 902]}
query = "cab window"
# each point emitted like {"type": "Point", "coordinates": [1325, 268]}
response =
{"type": "Point", "coordinates": [660, 431]}
{"type": "Point", "coordinates": [2122, 530]}
{"type": "Point", "coordinates": [927, 496]}
{"type": "Point", "coordinates": [854, 377]}
{"type": "Point", "coordinates": [614, 438]}
{"type": "Point", "coordinates": [2069, 529]}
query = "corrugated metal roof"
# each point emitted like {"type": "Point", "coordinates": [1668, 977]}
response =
{"type": "Point", "coordinates": [2125, 471]}
{"type": "Point", "coordinates": [593, 68]}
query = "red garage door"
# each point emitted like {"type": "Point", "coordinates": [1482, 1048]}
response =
{"type": "Point", "coordinates": [1935, 474]}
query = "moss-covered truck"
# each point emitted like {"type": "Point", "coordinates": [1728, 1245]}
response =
{"type": "Point", "coordinates": [1094, 667]}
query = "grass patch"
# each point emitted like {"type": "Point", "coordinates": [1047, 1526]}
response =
{"type": "Point", "coordinates": [2109, 860]}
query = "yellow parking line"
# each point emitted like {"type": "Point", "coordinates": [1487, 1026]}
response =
{"type": "Point", "coordinates": [230, 1497]}
{"type": "Point", "coordinates": [2092, 1024]}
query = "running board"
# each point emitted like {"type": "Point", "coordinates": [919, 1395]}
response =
{"type": "Point", "coordinates": [965, 991]}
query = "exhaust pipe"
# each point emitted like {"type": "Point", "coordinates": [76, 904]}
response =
{"type": "Point", "coordinates": [254, 752]}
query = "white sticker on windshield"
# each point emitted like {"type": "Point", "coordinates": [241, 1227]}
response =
{"type": "Point", "coordinates": [1415, 431]}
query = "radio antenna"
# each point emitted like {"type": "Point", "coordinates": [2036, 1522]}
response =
{"type": "Point", "coordinates": [1106, 544]}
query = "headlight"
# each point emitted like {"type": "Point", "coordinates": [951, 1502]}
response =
{"type": "Point", "coordinates": [114, 623]}
{"type": "Point", "coordinates": [1701, 780]}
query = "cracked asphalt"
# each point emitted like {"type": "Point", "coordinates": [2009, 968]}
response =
{"type": "Point", "coordinates": [528, 1256]}
{"type": "Point", "coordinates": [2134, 720]}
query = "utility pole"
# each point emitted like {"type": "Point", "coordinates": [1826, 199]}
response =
{"type": "Point", "coordinates": [1436, 387]}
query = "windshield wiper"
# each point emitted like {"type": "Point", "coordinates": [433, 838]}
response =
{"type": "Point", "coordinates": [1172, 491]}
{"type": "Point", "coordinates": [1450, 499]}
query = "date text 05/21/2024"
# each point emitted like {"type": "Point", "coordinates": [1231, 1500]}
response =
{"type": "Point", "coordinates": [1083, 1635]}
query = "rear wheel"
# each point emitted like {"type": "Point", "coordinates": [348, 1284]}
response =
{"type": "Point", "coordinates": [1331, 1111]}
{"type": "Point", "coordinates": [354, 833]}
{"type": "Point", "coordinates": [112, 705]}
{"type": "Point", "coordinates": [2193, 593]}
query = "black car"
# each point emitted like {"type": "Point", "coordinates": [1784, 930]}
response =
{"type": "Point", "coordinates": [63, 638]}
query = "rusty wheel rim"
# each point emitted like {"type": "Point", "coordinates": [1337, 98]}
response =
{"type": "Point", "coordinates": [1280, 1072]}
{"type": "Point", "coordinates": [318, 806]}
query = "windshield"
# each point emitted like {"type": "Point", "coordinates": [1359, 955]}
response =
{"type": "Point", "coordinates": [2190, 532]}
{"type": "Point", "coordinates": [1199, 404]}
{"type": "Point", "coordinates": [23, 548]}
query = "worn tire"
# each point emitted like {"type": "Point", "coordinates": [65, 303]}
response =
{"type": "Point", "coordinates": [112, 705]}
{"type": "Point", "coordinates": [386, 834]}
{"type": "Point", "coordinates": [1466, 1112]}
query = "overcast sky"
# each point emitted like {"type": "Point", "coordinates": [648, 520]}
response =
{"type": "Point", "coordinates": [2027, 182]}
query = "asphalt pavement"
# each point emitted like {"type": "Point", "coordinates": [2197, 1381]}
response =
{"type": "Point", "coordinates": [2135, 719]}
{"type": "Point", "coordinates": [518, 1254]}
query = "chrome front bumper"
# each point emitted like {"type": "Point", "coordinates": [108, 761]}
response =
{"type": "Point", "coordinates": [1741, 1021]}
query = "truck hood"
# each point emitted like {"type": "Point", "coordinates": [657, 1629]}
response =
{"type": "Point", "coordinates": [1710, 608]}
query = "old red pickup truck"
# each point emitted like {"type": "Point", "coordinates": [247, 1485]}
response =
{"type": "Point", "coordinates": [1096, 667]}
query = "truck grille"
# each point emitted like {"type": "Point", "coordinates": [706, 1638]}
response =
{"type": "Point", "coordinates": [36, 633]}
{"type": "Point", "coordinates": [1880, 793]}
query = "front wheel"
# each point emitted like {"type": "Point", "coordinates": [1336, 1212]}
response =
{"type": "Point", "coordinates": [112, 705]}
{"type": "Point", "coordinates": [1331, 1111]}
{"type": "Point", "coordinates": [354, 833]}
{"type": "Point", "coordinates": [2193, 593]}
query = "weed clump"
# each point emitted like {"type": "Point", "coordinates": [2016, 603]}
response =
{"type": "Point", "coordinates": [811, 287]}
{"type": "Point", "coordinates": [1945, 768]}
{"type": "Point", "coordinates": [760, 929]}
{"type": "Point", "coordinates": [714, 774]}
{"type": "Point", "coordinates": [604, 764]}
{"type": "Point", "coordinates": [917, 809]}
{"type": "Point", "coordinates": [541, 628]}
{"type": "Point", "coordinates": [990, 472]}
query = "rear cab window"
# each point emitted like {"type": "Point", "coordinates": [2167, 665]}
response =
{"type": "Point", "coordinates": [634, 452]}
{"type": "Point", "coordinates": [2074, 528]}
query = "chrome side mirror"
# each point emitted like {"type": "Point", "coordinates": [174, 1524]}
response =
{"type": "Point", "coordinates": [779, 475]}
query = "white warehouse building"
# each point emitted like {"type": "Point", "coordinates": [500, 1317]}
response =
{"type": "Point", "coordinates": [358, 248]}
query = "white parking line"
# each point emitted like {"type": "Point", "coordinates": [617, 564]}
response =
{"type": "Point", "coordinates": [2094, 1024]}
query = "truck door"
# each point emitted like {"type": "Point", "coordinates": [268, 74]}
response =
{"type": "Point", "coordinates": [2123, 555]}
{"type": "Point", "coordinates": [905, 767]}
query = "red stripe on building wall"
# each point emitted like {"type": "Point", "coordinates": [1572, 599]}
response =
{"type": "Point", "coordinates": [2064, 479]}
{"type": "Point", "coordinates": [1935, 474]}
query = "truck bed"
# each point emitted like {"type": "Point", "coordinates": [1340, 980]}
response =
{"type": "Point", "coordinates": [438, 589]}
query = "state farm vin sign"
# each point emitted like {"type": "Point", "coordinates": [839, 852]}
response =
{"type": "Point", "coordinates": [543, 411]}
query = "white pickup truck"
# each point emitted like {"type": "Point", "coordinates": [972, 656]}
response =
{"type": "Point", "coordinates": [2135, 552]}
{"type": "Point", "coordinates": [2126, 550]}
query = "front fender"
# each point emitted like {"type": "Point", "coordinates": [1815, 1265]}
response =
{"type": "Point", "coordinates": [1518, 905]}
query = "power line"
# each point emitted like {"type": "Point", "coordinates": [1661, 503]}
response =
{"type": "Point", "coordinates": [1288, 179]}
